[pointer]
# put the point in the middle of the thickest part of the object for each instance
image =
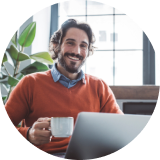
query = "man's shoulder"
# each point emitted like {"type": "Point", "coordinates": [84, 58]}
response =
{"type": "Point", "coordinates": [96, 82]}
{"type": "Point", "coordinates": [39, 74]}
{"type": "Point", "coordinates": [93, 79]}
{"type": "Point", "coordinates": [88, 76]}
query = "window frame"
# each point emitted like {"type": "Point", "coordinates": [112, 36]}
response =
{"type": "Point", "coordinates": [53, 22]}
{"type": "Point", "coordinates": [148, 62]}
{"type": "Point", "coordinates": [148, 51]}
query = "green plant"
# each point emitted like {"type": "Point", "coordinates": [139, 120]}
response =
{"type": "Point", "coordinates": [14, 55]}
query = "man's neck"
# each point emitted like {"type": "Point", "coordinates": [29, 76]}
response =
{"type": "Point", "coordinates": [71, 76]}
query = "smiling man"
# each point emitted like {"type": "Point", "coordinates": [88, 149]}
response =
{"type": "Point", "coordinates": [63, 91]}
{"type": "Point", "coordinates": [74, 51]}
{"type": "Point", "coordinates": [72, 44]}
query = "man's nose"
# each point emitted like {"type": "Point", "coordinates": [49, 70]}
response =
{"type": "Point", "coordinates": [77, 50]}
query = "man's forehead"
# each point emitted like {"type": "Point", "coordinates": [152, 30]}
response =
{"type": "Point", "coordinates": [71, 39]}
{"type": "Point", "coordinates": [76, 34]}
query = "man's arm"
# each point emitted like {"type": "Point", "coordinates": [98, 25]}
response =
{"type": "Point", "coordinates": [17, 105]}
{"type": "Point", "coordinates": [107, 99]}
{"type": "Point", "coordinates": [18, 108]}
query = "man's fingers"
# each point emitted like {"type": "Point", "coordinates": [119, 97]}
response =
{"type": "Point", "coordinates": [44, 119]}
{"type": "Point", "coordinates": [38, 132]}
{"type": "Point", "coordinates": [41, 125]}
{"type": "Point", "coordinates": [42, 141]}
{"type": "Point", "coordinates": [43, 133]}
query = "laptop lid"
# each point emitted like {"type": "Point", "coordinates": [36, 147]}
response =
{"type": "Point", "coordinates": [99, 134]}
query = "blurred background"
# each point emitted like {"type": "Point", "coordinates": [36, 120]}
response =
{"type": "Point", "coordinates": [124, 57]}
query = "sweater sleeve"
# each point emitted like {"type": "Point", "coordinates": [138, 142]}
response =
{"type": "Point", "coordinates": [107, 99]}
{"type": "Point", "coordinates": [17, 105]}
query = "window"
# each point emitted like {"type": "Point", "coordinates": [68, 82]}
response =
{"type": "Point", "coordinates": [122, 54]}
{"type": "Point", "coordinates": [42, 19]}
{"type": "Point", "coordinates": [157, 69]}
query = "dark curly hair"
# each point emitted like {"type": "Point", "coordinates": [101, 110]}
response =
{"type": "Point", "coordinates": [56, 39]}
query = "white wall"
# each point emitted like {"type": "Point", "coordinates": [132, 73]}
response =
{"type": "Point", "coordinates": [41, 41]}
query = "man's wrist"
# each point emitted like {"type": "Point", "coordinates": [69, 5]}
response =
{"type": "Point", "coordinates": [28, 133]}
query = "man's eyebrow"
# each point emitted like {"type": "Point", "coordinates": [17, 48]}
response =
{"type": "Point", "coordinates": [71, 39]}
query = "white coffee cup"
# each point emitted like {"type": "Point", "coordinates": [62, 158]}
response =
{"type": "Point", "coordinates": [62, 126]}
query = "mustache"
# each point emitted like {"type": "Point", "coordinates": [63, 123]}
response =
{"type": "Point", "coordinates": [73, 55]}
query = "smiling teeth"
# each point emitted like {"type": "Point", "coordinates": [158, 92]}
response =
{"type": "Point", "coordinates": [73, 58]}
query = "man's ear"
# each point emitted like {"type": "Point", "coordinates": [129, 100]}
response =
{"type": "Point", "coordinates": [55, 45]}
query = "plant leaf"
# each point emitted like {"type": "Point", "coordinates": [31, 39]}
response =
{"type": "Point", "coordinates": [20, 76]}
{"type": "Point", "coordinates": [4, 97]}
{"type": "Point", "coordinates": [2, 71]}
{"type": "Point", "coordinates": [2, 66]}
{"type": "Point", "coordinates": [12, 81]}
{"type": "Point", "coordinates": [8, 50]}
{"type": "Point", "coordinates": [4, 58]}
{"type": "Point", "coordinates": [43, 57]}
{"type": "Point", "coordinates": [9, 59]}
{"type": "Point", "coordinates": [27, 36]}
{"type": "Point", "coordinates": [5, 86]}
{"type": "Point", "coordinates": [14, 39]}
{"type": "Point", "coordinates": [15, 54]}
{"type": "Point", "coordinates": [23, 56]}
{"type": "Point", "coordinates": [34, 67]}
{"type": "Point", "coordinates": [2, 75]}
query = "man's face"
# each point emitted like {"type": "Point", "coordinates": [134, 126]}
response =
{"type": "Point", "coordinates": [74, 50]}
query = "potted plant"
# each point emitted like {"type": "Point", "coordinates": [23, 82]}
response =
{"type": "Point", "coordinates": [14, 55]}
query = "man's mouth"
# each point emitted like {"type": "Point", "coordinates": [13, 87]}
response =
{"type": "Point", "coordinates": [73, 58]}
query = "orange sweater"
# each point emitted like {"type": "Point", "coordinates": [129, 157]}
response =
{"type": "Point", "coordinates": [37, 95]}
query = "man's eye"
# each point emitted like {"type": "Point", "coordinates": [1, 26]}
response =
{"type": "Point", "coordinates": [83, 46]}
{"type": "Point", "coordinates": [71, 43]}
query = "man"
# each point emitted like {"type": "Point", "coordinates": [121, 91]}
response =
{"type": "Point", "coordinates": [63, 91]}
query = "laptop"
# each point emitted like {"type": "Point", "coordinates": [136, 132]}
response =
{"type": "Point", "coordinates": [100, 134]}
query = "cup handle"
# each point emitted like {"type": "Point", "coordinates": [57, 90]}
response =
{"type": "Point", "coordinates": [49, 120]}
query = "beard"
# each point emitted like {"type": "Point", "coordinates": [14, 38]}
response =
{"type": "Point", "coordinates": [71, 68]}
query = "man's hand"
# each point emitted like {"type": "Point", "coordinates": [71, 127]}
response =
{"type": "Point", "coordinates": [39, 133]}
